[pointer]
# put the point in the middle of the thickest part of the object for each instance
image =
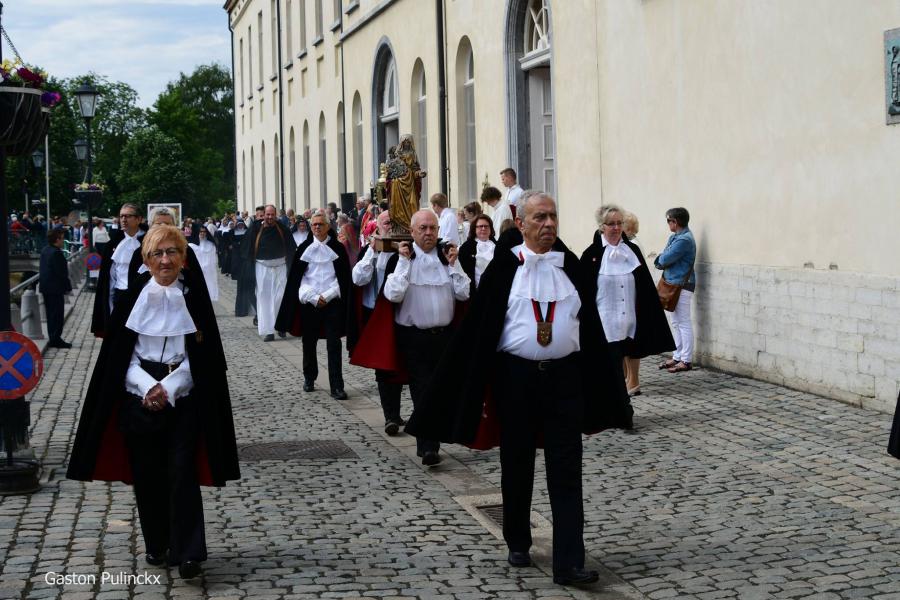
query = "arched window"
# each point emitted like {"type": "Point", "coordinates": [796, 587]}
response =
{"type": "Point", "coordinates": [292, 156]}
{"type": "Point", "coordinates": [252, 179]}
{"type": "Point", "coordinates": [537, 27]}
{"type": "Point", "coordinates": [244, 178]}
{"type": "Point", "coordinates": [341, 150]}
{"type": "Point", "coordinates": [262, 172]}
{"type": "Point", "coordinates": [465, 90]}
{"type": "Point", "coordinates": [306, 174]}
{"type": "Point", "coordinates": [276, 149]}
{"type": "Point", "coordinates": [358, 183]}
{"type": "Point", "coordinates": [385, 104]}
{"type": "Point", "coordinates": [420, 121]}
{"type": "Point", "coordinates": [323, 162]}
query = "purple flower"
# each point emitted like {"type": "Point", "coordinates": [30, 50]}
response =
{"type": "Point", "coordinates": [50, 99]}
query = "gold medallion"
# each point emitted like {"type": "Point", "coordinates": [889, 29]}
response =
{"type": "Point", "coordinates": [544, 333]}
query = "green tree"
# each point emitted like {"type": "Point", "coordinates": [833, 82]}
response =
{"type": "Point", "coordinates": [153, 169]}
{"type": "Point", "coordinates": [197, 111]}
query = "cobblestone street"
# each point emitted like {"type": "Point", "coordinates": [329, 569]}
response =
{"type": "Point", "coordinates": [729, 488]}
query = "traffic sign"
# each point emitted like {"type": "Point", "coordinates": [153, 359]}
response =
{"type": "Point", "coordinates": [21, 365]}
{"type": "Point", "coordinates": [92, 261]}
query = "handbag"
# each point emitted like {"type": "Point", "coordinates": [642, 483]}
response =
{"type": "Point", "coordinates": [670, 292]}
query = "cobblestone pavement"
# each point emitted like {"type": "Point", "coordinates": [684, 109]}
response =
{"type": "Point", "coordinates": [730, 488]}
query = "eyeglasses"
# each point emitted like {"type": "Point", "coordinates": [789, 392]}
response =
{"type": "Point", "coordinates": [170, 252]}
{"type": "Point", "coordinates": [482, 226]}
{"type": "Point", "coordinates": [615, 224]}
{"type": "Point", "coordinates": [127, 216]}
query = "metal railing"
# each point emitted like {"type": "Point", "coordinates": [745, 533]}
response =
{"type": "Point", "coordinates": [29, 309]}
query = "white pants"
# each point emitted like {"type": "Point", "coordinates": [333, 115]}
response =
{"type": "Point", "coordinates": [682, 330]}
{"type": "Point", "coordinates": [271, 278]}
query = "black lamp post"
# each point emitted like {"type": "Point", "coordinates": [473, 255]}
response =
{"type": "Point", "coordinates": [87, 104]}
{"type": "Point", "coordinates": [37, 159]}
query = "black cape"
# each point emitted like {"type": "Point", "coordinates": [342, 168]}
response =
{"type": "Point", "coordinates": [100, 316]}
{"type": "Point", "coordinates": [288, 319]}
{"type": "Point", "coordinates": [894, 443]}
{"type": "Point", "coordinates": [99, 452]}
{"type": "Point", "coordinates": [652, 335]}
{"type": "Point", "coordinates": [461, 383]}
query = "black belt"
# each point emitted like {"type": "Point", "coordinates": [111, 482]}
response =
{"type": "Point", "coordinates": [158, 370]}
{"type": "Point", "coordinates": [543, 365]}
{"type": "Point", "coordinates": [432, 330]}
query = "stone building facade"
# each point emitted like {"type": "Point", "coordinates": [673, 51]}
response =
{"type": "Point", "coordinates": [764, 118]}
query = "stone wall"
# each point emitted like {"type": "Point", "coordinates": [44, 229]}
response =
{"type": "Point", "coordinates": [828, 332]}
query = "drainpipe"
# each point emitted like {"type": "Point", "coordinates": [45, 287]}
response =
{"type": "Point", "coordinates": [442, 96]}
{"type": "Point", "coordinates": [280, 106]}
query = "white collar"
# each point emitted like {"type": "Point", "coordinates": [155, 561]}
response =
{"type": "Point", "coordinates": [318, 252]}
{"type": "Point", "coordinates": [541, 277]}
{"type": "Point", "coordinates": [427, 268]}
{"type": "Point", "coordinates": [161, 311]}
{"type": "Point", "coordinates": [125, 248]}
{"type": "Point", "coordinates": [617, 260]}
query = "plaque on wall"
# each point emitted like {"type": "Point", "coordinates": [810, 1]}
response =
{"type": "Point", "coordinates": [892, 75]}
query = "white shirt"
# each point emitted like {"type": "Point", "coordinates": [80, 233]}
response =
{"type": "Point", "coordinates": [158, 312]}
{"type": "Point", "coordinates": [368, 274]}
{"type": "Point", "coordinates": [501, 213]}
{"type": "Point", "coordinates": [319, 278]}
{"type": "Point", "coordinates": [208, 259]}
{"type": "Point", "coordinates": [513, 194]}
{"type": "Point", "coordinates": [449, 228]}
{"type": "Point", "coordinates": [425, 288]}
{"type": "Point", "coordinates": [121, 258]}
{"type": "Point", "coordinates": [300, 237]}
{"type": "Point", "coordinates": [543, 280]}
{"type": "Point", "coordinates": [616, 297]}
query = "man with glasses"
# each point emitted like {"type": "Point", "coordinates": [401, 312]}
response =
{"type": "Point", "coordinates": [270, 247]}
{"type": "Point", "coordinates": [316, 298]}
{"type": "Point", "coordinates": [115, 260]}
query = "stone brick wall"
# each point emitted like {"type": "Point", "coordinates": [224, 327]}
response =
{"type": "Point", "coordinates": [827, 332]}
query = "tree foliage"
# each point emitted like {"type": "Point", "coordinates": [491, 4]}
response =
{"type": "Point", "coordinates": [153, 169]}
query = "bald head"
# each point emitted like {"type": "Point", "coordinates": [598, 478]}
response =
{"type": "Point", "coordinates": [383, 222]}
{"type": "Point", "coordinates": [424, 226]}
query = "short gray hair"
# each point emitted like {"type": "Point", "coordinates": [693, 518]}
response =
{"type": "Point", "coordinates": [604, 210]}
{"type": "Point", "coordinates": [528, 195]}
{"type": "Point", "coordinates": [162, 211]}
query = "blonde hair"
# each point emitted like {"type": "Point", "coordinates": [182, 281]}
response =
{"type": "Point", "coordinates": [632, 225]}
{"type": "Point", "coordinates": [162, 233]}
{"type": "Point", "coordinates": [604, 211]}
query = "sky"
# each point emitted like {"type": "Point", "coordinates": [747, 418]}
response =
{"type": "Point", "coordinates": [145, 43]}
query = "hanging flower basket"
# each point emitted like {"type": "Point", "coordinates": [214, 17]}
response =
{"type": "Point", "coordinates": [20, 113]}
{"type": "Point", "coordinates": [34, 139]}
{"type": "Point", "coordinates": [88, 195]}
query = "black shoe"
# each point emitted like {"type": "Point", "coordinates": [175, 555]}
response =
{"type": "Point", "coordinates": [255, 322]}
{"type": "Point", "coordinates": [189, 569]}
{"type": "Point", "coordinates": [391, 427]}
{"type": "Point", "coordinates": [282, 334]}
{"type": "Point", "coordinates": [59, 344]}
{"type": "Point", "coordinates": [339, 394]}
{"type": "Point", "coordinates": [519, 559]}
{"type": "Point", "coordinates": [308, 385]}
{"type": "Point", "coordinates": [156, 559]}
{"type": "Point", "coordinates": [269, 338]}
{"type": "Point", "coordinates": [575, 576]}
{"type": "Point", "coordinates": [430, 458]}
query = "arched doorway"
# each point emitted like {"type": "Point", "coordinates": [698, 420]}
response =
{"type": "Point", "coordinates": [532, 137]}
{"type": "Point", "coordinates": [385, 104]}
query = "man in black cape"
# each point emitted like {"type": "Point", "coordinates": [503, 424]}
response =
{"type": "Point", "coordinates": [482, 394]}
{"type": "Point", "coordinates": [107, 291]}
{"type": "Point", "coordinates": [269, 251]}
{"type": "Point", "coordinates": [328, 318]}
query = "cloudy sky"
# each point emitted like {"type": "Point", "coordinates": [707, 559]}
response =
{"type": "Point", "coordinates": [145, 43]}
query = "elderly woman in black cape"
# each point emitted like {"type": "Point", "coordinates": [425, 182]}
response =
{"type": "Point", "coordinates": [157, 411]}
{"type": "Point", "coordinates": [620, 282]}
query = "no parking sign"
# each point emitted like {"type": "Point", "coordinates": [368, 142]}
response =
{"type": "Point", "coordinates": [92, 261]}
{"type": "Point", "coordinates": [21, 365]}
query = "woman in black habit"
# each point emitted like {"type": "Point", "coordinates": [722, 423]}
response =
{"type": "Point", "coordinates": [242, 272]}
{"type": "Point", "coordinates": [157, 412]}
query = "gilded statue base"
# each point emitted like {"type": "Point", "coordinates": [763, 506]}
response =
{"type": "Point", "coordinates": [390, 243]}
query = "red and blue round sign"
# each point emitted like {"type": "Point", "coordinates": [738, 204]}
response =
{"type": "Point", "coordinates": [21, 365]}
{"type": "Point", "coordinates": [92, 261]}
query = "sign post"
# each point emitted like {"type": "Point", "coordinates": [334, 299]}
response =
{"type": "Point", "coordinates": [21, 367]}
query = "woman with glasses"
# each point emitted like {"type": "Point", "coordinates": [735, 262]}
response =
{"type": "Point", "coordinates": [477, 252]}
{"type": "Point", "coordinates": [619, 280]}
{"type": "Point", "coordinates": [677, 264]}
{"type": "Point", "coordinates": [157, 412]}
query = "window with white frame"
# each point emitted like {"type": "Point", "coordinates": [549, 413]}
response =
{"type": "Point", "coordinates": [250, 59]}
{"type": "Point", "coordinates": [323, 162]}
{"type": "Point", "coordinates": [289, 30]}
{"type": "Point", "coordinates": [277, 171]}
{"type": "Point", "coordinates": [259, 46]}
{"type": "Point", "coordinates": [389, 106]}
{"type": "Point", "coordinates": [358, 183]}
{"type": "Point", "coordinates": [537, 27]}
{"type": "Point", "coordinates": [306, 173]}
{"type": "Point", "coordinates": [320, 20]}
{"type": "Point", "coordinates": [241, 68]}
{"type": "Point", "coordinates": [301, 23]}
{"type": "Point", "coordinates": [341, 150]}
{"type": "Point", "coordinates": [337, 12]}
{"type": "Point", "coordinates": [273, 33]}
{"type": "Point", "coordinates": [262, 172]}
{"type": "Point", "coordinates": [422, 129]}
{"type": "Point", "coordinates": [292, 154]}
{"type": "Point", "coordinates": [252, 177]}
{"type": "Point", "coordinates": [469, 114]}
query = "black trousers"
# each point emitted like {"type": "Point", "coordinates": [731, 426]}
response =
{"type": "Point", "coordinates": [165, 485]}
{"type": "Point", "coordinates": [542, 398]}
{"type": "Point", "coordinates": [54, 305]}
{"type": "Point", "coordinates": [330, 318]}
{"type": "Point", "coordinates": [421, 350]}
{"type": "Point", "coordinates": [388, 392]}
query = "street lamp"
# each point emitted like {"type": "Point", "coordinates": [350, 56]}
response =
{"type": "Point", "coordinates": [37, 157]}
{"type": "Point", "coordinates": [87, 104]}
